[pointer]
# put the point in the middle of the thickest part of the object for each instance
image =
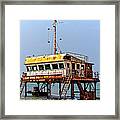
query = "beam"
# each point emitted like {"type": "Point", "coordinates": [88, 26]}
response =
{"type": "Point", "coordinates": [72, 89]}
{"type": "Point", "coordinates": [25, 89]}
{"type": "Point", "coordinates": [60, 89]}
{"type": "Point", "coordinates": [95, 89]}
{"type": "Point", "coordinates": [49, 89]}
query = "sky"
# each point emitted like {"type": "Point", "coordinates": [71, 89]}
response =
{"type": "Point", "coordinates": [78, 36]}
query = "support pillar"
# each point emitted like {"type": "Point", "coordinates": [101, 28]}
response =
{"type": "Point", "coordinates": [80, 88]}
{"type": "Point", "coordinates": [84, 86]}
{"type": "Point", "coordinates": [90, 87]}
{"type": "Point", "coordinates": [44, 88]}
{"type": "Point", "coordinates": [95, 89]}
{"type": "Point", "coordinates": [49, 89]}
{"type": "Point", "coordinates": [25, 89]}
{"type": "Point", "coordinates": [38, 89]}
{"type": "Point", "coordinates": [60, 89]}
{"type": "Point", "coordinates": [72, 89]}
{"type": "Point", "coordinates": [38, 86]}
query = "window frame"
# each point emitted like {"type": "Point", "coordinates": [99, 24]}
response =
{"type": "Point", "coordinates": [77, 66]}
{"type": "Point", "coordinates": [68, 64]}
{"type": "Point", "coordinates": [54, 64]}
{"type": "Point", "coordinates": [48, 64]}
{"type": "Point", "coordinates": [63, 65]}
{"type": "Point", "coordinates": [41, 65]}
{"type": "Point", "coordinates": [33, 68]}
{"type": "Point", "coordinates": [83, 67]}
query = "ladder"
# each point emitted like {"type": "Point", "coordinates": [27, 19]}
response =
{"type": "Point", "coordinates": [65, 87]}
{"type": "Point", "coordinates": [22, 85]}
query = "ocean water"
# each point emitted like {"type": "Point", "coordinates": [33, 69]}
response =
{"type": "Point", "coordinates": [55, 89]}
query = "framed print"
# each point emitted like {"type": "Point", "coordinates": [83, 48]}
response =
{"type": "Point", "coordinates": [60, 60]}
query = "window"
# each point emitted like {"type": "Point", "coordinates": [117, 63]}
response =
{"type": "Point", "coordinates": [68, 65]}
{"type": "Point", "coordinates": [82, 67]}
{"type": "Point", "coordinates": [34, 68]}
{"type": "Point", "coordinates": [78, 66]}
{"type": "Point", "coordinates": [29, 68]}
{"type": "Point", "coordinates": [54, 66]}
{"type": "Point", "coordinates": [47, 67]}
{"type": "Point", "coordinates": [41, 67]}
{"type": "Point", "coordinates": [88, 68]}
{"type": "Point", "coordinates": [73, 65]}
{"type": "Point", "coordinates": [61, 65]}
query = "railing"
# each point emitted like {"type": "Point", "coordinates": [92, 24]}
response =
{"type": "Point", "coordinates": [80, 56]}
{"type": "Point", "coordinates": [85, 74]}
{"type": "Point", "coordinates": [69, 73]}
{"type": "Point", "coordinates": [96, 74]}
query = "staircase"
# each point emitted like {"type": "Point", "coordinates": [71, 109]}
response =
{"type": "Point", "coordinates": [65, 88]}
{"type": "Point", "coordinates": [22, 85]}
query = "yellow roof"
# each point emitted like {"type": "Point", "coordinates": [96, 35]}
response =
{"type": "Point", "coordinates": [42, 59]}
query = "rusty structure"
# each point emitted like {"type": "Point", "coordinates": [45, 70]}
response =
{"type": "Point", "coordinates": [65, 69]}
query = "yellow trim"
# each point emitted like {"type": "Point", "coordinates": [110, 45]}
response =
{"type": "Point", "coordinates": [41, 59]}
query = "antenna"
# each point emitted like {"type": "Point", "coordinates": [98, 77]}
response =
{"type": "Point", "coordinates": [49, 39]}
{"type": "Point", "coordinates": [59, 50]}
{"type": "Point", "coordinates": [54, 29]}
{"type": "Point", "coordinates": [54, 26]}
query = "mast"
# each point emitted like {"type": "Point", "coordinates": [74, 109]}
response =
{"type": "Point", "coordinates": [54, 26]}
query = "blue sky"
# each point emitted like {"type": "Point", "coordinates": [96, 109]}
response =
{"type": "Point", "coordinates": [78, 36]}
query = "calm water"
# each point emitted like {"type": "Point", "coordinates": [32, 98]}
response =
{"type": "Point", "coordinates": [55, 89]}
